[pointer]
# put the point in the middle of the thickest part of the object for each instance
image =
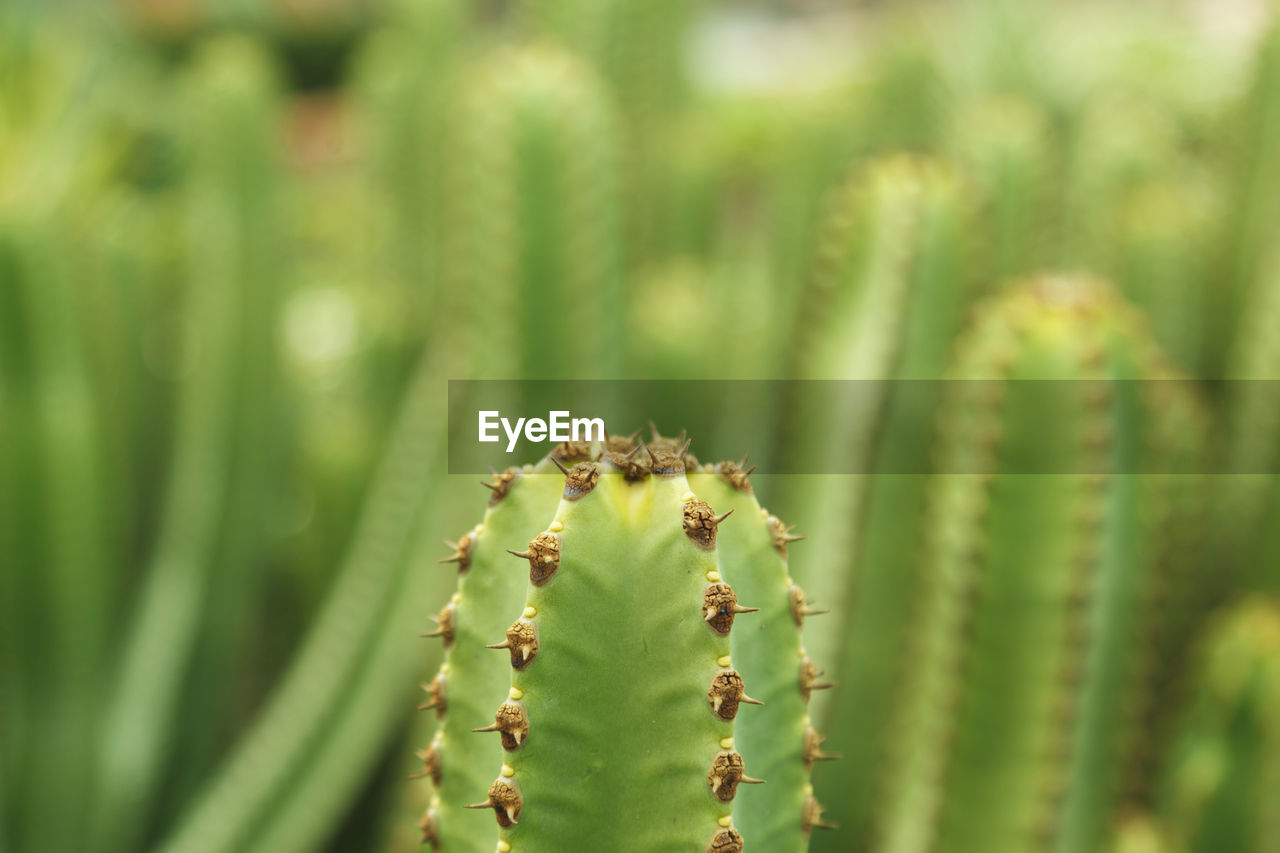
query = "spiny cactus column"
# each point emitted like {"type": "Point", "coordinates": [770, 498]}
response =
{"type": "Point", "coordinates": [401, 83]}
{"type": "Point", "coordinates": [532, 201]}
{"type": "Point", "coordinates": [457, 762]}
{"type": "Point", "coordinates": [778, 741]}
{"type": "Point", "coordinates": [1029, 640]}
{"type": "Point", "coordinates": [890, 297]}
{"type": "Point", "coordinates": [602, 709]}
{"type": "Point", "coordinates": [1221, 790]}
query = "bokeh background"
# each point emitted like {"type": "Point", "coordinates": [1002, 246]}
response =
{"type": "Point", "coordinates": [244, 245]}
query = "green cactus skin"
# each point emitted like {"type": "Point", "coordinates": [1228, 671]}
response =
{"type": "Point", "coordinates": [401, 82]}
{"type": "Point", "coordinates": [638, 46]}
{"type": "Point", "coordinates": [1141, 833]}
{"type": "Point", "coordinates": [777, 741]}
{"type": "Point", "coordinates": [227, 428]}
{"type": "Point", "coordinates": [1255, 200]}
{"type": "Point", "coordinates": [1006, 144]}
{"type": "Point", "coordinates": [615, 694]}
{"type": "Point", "coordinates": [56, 539]}
{"type": "Point", "coordinates": [457, 762]}
{"type": "Point", "coordinates": [894, 300]}
{"type": "Point", "coordinates": [624, 663]}
{"type": "Point", "coordinates": [533, 207]}
{"type": "Point", "coordinates": [1221, 787]}
{"type": "Point", "coordinates": [1018, 717]}
{"type": "Point", "coordinates": [1247, 518]}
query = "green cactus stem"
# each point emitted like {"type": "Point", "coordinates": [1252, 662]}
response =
{"type": "Point", "coordinates": [532, 201]}
{"type": "Point", "coordinates": [778, 741]}
{"type": "Point", "coordinates": [221, 469]}
{"type": "Point", "coordinates": [1029, 648]}
{"type": "Point", "coordinates": [457, 762]}
{"type": "Point", "coordinates": [890, 298]}
{"type": "Point", "coordinates": [609, 688]}
{"type": "Point", "coordinates": [1221, 786]}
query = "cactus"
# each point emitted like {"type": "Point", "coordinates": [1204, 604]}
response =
{"type": "Point", "coordinates": [1220, 790]}
{"type": "Point", "coordinates": [532, 202]}
{"type": "Point", "coordinates": [1255, 194]}
{"type": "Point", "coordinates": [889, 298]}
{"type": "Point", "coordinates": [1036, 584]}
{"type": "Point", "coordinates": [226, 434]}
{"type": "Point", "coordinates": [1006, 143]}
{"type": "Point", "coordinates": [1246, 518]}
{"type": "Point", "coordinates": [615, 694]}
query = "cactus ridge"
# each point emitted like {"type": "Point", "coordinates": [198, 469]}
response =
{"type": "Point", "coordinates": [1019, 714]}
{"type": "Point", "coordinates": [617, 688]}
{"type": "Point", "coordinates": [778, 740]}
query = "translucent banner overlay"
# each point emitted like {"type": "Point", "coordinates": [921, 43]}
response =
{"type": "Point", "coordinates": [891, 427]}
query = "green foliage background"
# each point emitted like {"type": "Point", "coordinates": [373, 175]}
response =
{"type": "Point", "coordinates": [244, 245]}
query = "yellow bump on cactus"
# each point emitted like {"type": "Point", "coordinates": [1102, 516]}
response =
{"type": "Point", "coordinates": [725, 821]}
{"type": "Point", "coordinates": [504, 847]}
{"type": "Point", "coordinates": [508, 770]}
{"type": "Point", "coordinates": [714, 577]}
{"type": "Point", "coordinates": [726, 743]}
{"type": "Point", "coordinates": [724, 660]}
{"type": "Point", "coordinates": [516, 694]}
{"type": "Point", "coordinates": [530, 612]}
{"type": "Point", "coordinates": [555, 527]}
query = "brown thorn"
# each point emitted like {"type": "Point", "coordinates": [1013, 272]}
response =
{"type": "Point", "coordinates": [649, 450]}
{"type": "Point", "coordinates": [653, 429]}
{"type": "Point", "coordinates": [485, 805]}
{"type": "Point", "coordinates": [749, 700]}
{"type": "Point", "coordinates": [634, 437]}
{"type": "Point", "coordinates": [740, 609]}
{"type": "Point", "coordinates": [524, 555]}
{"type": "Point", "coordinates": [687, 442]}
{"type": "Point", "coordinates": [505, 644]}
{"type": "Point", "coordinates": [634, 450]}
{"type": "Point", "coordinates": [749, 780]}
{"type": "Point", "coordinates": [560, 465]}
{"type": "Point", "coordinates": [723, 516]}
{"type": "Point", "coordinates": [747, 472]}
{"type": "Point", "coordinates": [448, 544]}
{"type": "Point", "coordinates": [454, 559]}
{"type": "Point", "coordinates": [815, 611]}
{"type": "Point", "coordinates": [492, 727]}
{"type": "Point", "coordinates": [492, 486]}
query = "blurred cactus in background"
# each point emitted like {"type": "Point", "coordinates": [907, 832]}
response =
{"type": "Point", "coordinates": [1219, 793]}
{"type": "Point", "coordinates": [244, 245]}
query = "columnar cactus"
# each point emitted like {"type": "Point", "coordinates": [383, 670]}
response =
{"type": "Point", "coordinates": [226, 435]}
{"type": "Point", "coordinates": [1006, 143]}
{"type": "Point", "coordinates": [889, 299]}
{"type": "Point", "coordinates": [613, 686]}
{"type": "Point", "coordinates": [533, 215]}
{"type": "Point", "coordinates": [1220, 793]}
{"type": "Point", "coordinates": [1036, 582]}
{"type": "Point", "coordinates": [1247, 518]}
